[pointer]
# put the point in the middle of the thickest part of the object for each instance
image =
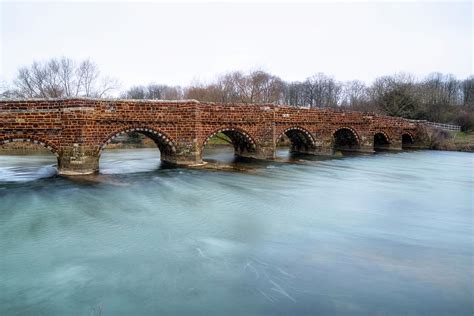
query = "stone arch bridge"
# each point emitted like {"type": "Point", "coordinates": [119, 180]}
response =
{"type": "Point", "coordinates": [78, 129]}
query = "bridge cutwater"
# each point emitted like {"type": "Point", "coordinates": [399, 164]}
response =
{"type": "Point", "coordinates": [78, 129]}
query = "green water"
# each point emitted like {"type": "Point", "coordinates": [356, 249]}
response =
{"type": "Point", "coordinates": [384, 234]}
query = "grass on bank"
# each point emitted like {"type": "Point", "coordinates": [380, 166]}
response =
{"type": "Point", "coordinates": [462, 138]}
{"type": "Point", "coordinates": [455, 141]}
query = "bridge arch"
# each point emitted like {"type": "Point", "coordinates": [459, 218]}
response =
{"type": "Point", "coordinates": [300, 138]}
{"type": "Point", "coordinates": [164, 143]}
{"type": "Point", "coordinates": [407, 139]}
{"type": "Point", "coordinates": [381, 140]}
{"type": "Point", "coordinates": [31, 139]}
{"type": "Point", "coordinates": [242, 141]}
{"type": "Point", "coordinates": [346, 138]}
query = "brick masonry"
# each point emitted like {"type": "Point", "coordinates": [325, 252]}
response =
{"type": "Point", "coordinates": [77, 130]}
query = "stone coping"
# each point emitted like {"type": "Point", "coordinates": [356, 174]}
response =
{"type": "Point", "coordinates": [95, 99]}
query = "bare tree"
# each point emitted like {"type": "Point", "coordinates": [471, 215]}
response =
{"type": "Point", "coordinates": [395, 95]}
{"type": "Point", "coordinates": [294, 94]}
{"type": "Point", "coordinates": [62, 78]}
{"type": "Point", "coordinates": [154, 91]}
{"type": "Point", "coordinates": [322, 91]}
{"type": "Point", "coordinates": [5, 91]}
{"type": "Point", "coordinates": [266, 88]}
{"type": "Point", "coordinates": [254, 87]}
{"type": "Point", "coordinates": [354, 94]}
{"type": "Point", "coordinates": [438, 89]}
{"type": "Point", "coordinates": [468, 92]}
{"type": "Point", "coordinates": [137, 92]}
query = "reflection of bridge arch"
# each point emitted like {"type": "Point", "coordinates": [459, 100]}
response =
{"type": "Point", "coordinates": [345, 138]}
{"type": "Point", "coordinates": [33, 140]}
{"type": "Point", "coordinates": [162, 141]}
{"type": "Point", "coordinates": [300, 138]}
{"type": "Point", "coordinates": [240, 139]}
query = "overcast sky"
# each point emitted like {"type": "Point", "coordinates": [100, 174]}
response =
{"type": "Point", "coordinates": [180, 43]}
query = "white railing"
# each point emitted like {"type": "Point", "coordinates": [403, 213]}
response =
{"type": "Point", "coordinates": [446, 127]}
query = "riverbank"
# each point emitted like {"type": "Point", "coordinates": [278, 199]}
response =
{"type": "Point", "coordinates": [21, 148]}
{"type": "Point", "coordinates": [452, 141]}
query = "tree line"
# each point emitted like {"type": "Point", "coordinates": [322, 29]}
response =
{"type": "Point", "coordinates": [437, 97]}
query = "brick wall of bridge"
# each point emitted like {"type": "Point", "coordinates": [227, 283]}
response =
{"type": "Point", "coordinates": [78, 129]}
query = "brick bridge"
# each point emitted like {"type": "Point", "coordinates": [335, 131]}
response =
{"type": "Point", "coordinates": [77, 130]}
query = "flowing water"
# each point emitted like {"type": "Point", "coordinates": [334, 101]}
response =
{"type": "Point", "coordinates": [383, 234]}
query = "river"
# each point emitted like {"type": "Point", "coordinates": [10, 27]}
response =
{"type": "Point", "coordinates": [389, 233]}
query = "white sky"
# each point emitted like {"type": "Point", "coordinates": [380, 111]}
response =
{"type": "Point", "coordinates": [177, 43]}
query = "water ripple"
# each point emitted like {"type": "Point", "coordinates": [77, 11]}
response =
{"type": "Point", "coordinates": [296, 236]}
